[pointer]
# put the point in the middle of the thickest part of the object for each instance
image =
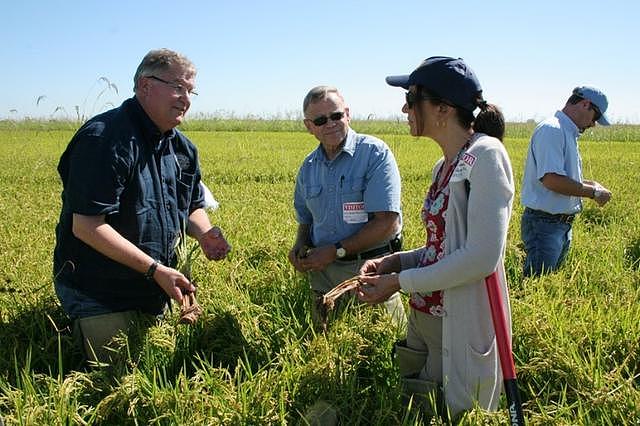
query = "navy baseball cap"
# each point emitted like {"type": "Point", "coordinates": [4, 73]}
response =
{"type": "Point", "coordinates": [449, 78]}
{"type": "Point", "coordinates": [597, 98]}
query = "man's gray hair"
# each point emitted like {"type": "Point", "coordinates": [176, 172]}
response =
{"type": "Point", "coordinates": [161, 60]}
{"type": "Point", "coordinates": [318, 93]}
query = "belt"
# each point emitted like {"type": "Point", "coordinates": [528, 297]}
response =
{"type": "Point", "coordinates": [560, 217]}
{"type": "Point", "coordinates": [392, 246]}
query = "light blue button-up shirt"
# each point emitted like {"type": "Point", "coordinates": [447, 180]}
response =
{"type": "Point", "coordinates": [338, 197]}
{"type": "Point", "coordinates": [553, 149]}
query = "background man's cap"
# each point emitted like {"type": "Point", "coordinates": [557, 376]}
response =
{"type": "Point", "coordinates": [449, 78]}
{"type": "Point", "coordinates": [596, 97]}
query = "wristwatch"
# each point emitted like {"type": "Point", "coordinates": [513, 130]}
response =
{"type": "Point", "coordinates": [340, 251]}
{"type": "Point", "coordinates": [152, 270]}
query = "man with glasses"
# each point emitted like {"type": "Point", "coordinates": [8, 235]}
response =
{"type": "Point", "coordinates": [347, 201]}
{"type": "Point", "coordinates": [130, 192]}
{"type": "Point", "coordinates": [553, 186]}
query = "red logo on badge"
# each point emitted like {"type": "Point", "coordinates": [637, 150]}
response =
{"type": "Point", "coordinates": [469, 159]}
{"type": "Point", "coordinates": [353, 206]}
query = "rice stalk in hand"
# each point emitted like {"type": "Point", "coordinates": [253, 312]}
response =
{"type": "Point", "coordinates": [190, 309]}
{"type": "Point", "coordinates": [326, 302]}
{"type": "Point", "coordinates": [330, 298]}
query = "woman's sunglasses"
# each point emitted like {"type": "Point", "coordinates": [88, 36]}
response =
{"type": "Point", "coordinates": [411, 98]}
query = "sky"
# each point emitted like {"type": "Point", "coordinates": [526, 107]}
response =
{"type": "Point", "coordinates": [64, 58]}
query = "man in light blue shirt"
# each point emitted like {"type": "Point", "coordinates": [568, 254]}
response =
{"type": "Point", "coordinates": [347, 200]}
{"type": "Point", "coordinates": [553, 186]}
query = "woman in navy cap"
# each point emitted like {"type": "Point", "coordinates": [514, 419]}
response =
{"type": "Point", "coordinates": [449, 359]}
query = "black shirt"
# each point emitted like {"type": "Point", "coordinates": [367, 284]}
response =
{"type": "Point", "coordinates": [146, 184]}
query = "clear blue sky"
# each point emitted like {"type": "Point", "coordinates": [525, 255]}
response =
{"type": "Point", "coordinates": [261, 57]}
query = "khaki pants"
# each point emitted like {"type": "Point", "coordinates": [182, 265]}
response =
{"type": "Point", "coordinates": [424, 333]}
{"type": "Point", "coordinates": [98, 333]}
{"type": "Point", "coordinates": [419, 360]}
{"type": "Point", "coordinates": [323, 281]}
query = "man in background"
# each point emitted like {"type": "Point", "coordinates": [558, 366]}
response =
{"type": "Point", "coordinates": [347, 200]}
{"type": "Point", "coordinates": [130, 191]}
{"type": "Point", "coordinates": [553, 186]}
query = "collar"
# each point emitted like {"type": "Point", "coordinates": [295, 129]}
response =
{"type": "Point", "coordinates": [568, 123]}
{"type": "Point", "coordinates": [149, 129]}
{"type": "Point", "coordinates": [349, 146]}
{"type": "Point", "coordinates": [350, 142]}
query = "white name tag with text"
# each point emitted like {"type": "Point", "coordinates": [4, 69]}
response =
{"type": "Point", "coordinates": [463, 168]}
{"type": "Point", "coordinates": [354, 212]}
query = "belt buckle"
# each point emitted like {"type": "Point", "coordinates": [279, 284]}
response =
{"type": "Point", "coordinates": [395, 244]}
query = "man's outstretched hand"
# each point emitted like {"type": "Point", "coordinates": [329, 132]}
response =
{"type": "Point", "coordinates": [213, 244]}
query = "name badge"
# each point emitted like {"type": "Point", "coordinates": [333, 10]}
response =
{"type": "Point", "coordinates": [463, 168]}
{"type": "Point", "coordinates": [354, 213]}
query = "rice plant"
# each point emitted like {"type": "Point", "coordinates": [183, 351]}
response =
{"type": "Point", "coordinates": [254, 357]}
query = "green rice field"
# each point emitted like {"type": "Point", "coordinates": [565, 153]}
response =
{"type": "Point", "coordinates": [253, 358]}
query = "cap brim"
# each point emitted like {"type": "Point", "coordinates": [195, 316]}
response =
{"type": "Point", "coordinates": [604, 121]}
{"type": "Point", "coordinates": [398, 81]}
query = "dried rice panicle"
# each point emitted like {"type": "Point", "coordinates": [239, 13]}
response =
{"type": "Point", "coordinates": [329, 298]}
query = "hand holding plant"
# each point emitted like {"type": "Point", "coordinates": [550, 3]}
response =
{"type": "Point", "coordinates": [190, 310]}
{"type": "Point", "coordinates": [213, 244]}
{"type": "Point", "coordinates": [173, 282]}
{"type": "Point", "coordinates": [382, 265]}
{"type": "Point", "coordinates": [377, 288]}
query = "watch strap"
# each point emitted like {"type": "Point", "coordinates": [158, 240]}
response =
{"type": "Point", "coordinates": [152, 270]}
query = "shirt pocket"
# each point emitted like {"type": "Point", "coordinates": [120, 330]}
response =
{"type": "Point", "coordinates": [184, 191]}
{"type": "Point", "coordinates": [313, 201]}
{"type": "Point", "coordinates": [352, 190]}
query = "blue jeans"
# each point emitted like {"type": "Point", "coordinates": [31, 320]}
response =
{"type": "Point", "coordinates": [76, 304]}
{"type": "Point", "coordinates": [546, 242]}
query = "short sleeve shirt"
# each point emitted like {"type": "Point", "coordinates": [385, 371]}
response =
{"type": "Point", "coordinates": [553, 149]}
{"type": "Point", "coordinates": [337, 198]}
{"type": "Point", "coordinates": [145, 183]}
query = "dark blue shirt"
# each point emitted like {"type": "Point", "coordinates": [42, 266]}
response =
{"type": "Point", "coordinates": [146, 184]}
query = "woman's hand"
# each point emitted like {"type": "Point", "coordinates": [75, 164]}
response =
{"type": "Point", "coordinates": [377, 288]}
{"type": "Point", "coordinates": [382, 265]}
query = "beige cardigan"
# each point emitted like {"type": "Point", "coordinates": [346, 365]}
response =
{"type": "Point", "coordinates": [477, 220]}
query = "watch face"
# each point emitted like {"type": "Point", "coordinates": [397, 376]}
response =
{"type": "Point", "coordinates": [341, 252]}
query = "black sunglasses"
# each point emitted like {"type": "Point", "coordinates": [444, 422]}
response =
{"type": "Point", "coordinates": [595, 109]}
{"type": "Point", "coordinates": [411, 98]}
{"type": "Point", "coordinates": [323, 119]}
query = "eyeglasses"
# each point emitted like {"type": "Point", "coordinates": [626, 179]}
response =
{"type": "Point", "coordinates": [595, 109]}
{"type": "Point", "coordinates": [411, 98]}
{"type": "Point", "coordinates": [177, 87]}
{"type": "Point", "coordinates": [323, 119]}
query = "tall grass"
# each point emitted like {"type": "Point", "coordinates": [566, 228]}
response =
{"type": "Point", "coordinates": [253, 357]}
{"type": "Point", "coordinates": [615, 133]}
